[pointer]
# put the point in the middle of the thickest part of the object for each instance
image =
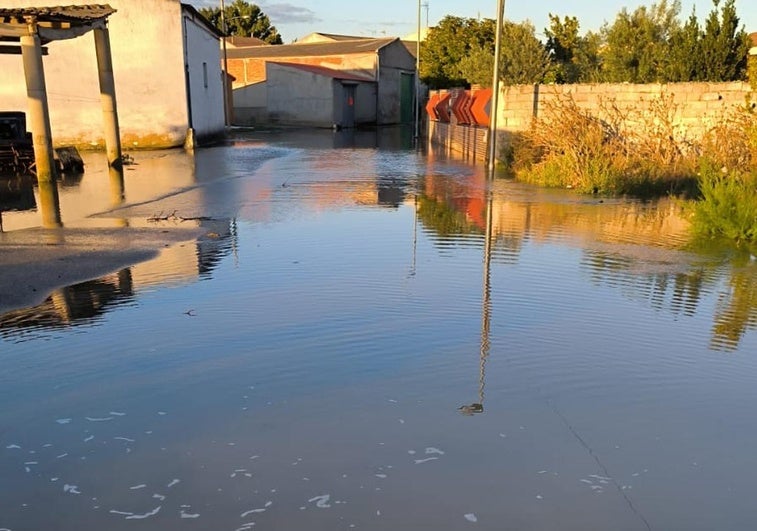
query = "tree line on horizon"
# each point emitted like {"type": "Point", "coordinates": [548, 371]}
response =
{"type": "Point", "coordinates": [647, 45]}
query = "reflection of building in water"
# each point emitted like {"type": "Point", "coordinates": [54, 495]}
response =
{"type": "Point", "coordinates": [67, 305]}
{"type": "Point", "coordinates": [86, 301]}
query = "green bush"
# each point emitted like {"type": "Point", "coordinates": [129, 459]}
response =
{"type": "Point", "coordinates": [728, 204]}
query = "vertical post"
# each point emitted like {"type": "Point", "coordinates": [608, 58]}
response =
{"type": "Point", "coordinates": [417, 110]}
{"type": "Point", "coordinates": [39, 112]}
{"type": "Point", "coordinates": [108, 96]}
{"type": "Point", "coordinates": [495, 91]}
{"type": "Point", "coordinates": [225, 67]}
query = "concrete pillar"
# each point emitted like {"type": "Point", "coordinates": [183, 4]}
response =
{"type": "Point", "coordinates": [38, 117]}
{"type": "Point", "coordinates": [49, 204]}
{"type": "Point", "coordinates": [108, 96]}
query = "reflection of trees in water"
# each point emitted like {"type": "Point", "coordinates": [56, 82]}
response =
{"type": "Point", "coordinates": [681, 292]}
{"type": "Point", "coordinates": [736, 310]}
{"type": "Point", "coordinates": [444, 219]}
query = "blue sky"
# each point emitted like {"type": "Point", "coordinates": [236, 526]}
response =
{"type": "Point", "coordinates": [296, 18]}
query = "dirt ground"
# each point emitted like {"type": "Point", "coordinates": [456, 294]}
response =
{"type": "Point", "coordinates": [34, 262]}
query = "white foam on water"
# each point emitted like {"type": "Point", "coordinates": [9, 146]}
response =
{"type": "Point", "coordinates": [470, 517]}
{"type": "Point", "coordinates": [145, 515]}
{"type": "Point", "coordinates": [99, 419]}
{"type": "Point", "coordinates": [432, 450]}
{"type": "Point", "coordinates": [539, 497]}
{"type": "Point", "coordinates": [421, 461]}
{"type": "Point", "coordinates": [587, 481]}
{"type": "Point", "coordinates": [120, 513]}
{"type": "Point", "coordinates": [71, 489]}
{"type": "Point", "coordinates": [378, 513]}
{"type": "Point", "coordinates": [595, 476]}
{"type": "Point", "coordinates": [27, 469]}
{"type": "Point", "coordinates": [117, 413]}
{"type": "Point", "coordinates": [159, 497]}
{"type": "Point", "coordinates": [255, 457]}
{"type": "Point", "coordinates": [185, 515]}
{"type": "Point", "coordinates": [137, 487]}
{"type": "Point", "coordinates": [173, 482]}
{"type": "Point", "coordinates": [412, 452]}
{"type": "Point", "coordinates": [322, 501]}
{"type": "Point", "coordinates": [89, 438]}
{"type": "Point", "coordinates": [63, 421]}
{"type": "Point", "coordinates": [392, 401]}
{"type": "Point", "coordinates": [48, 445]}
{"type": "Point", "coordinates": [381, 476]}
{"type": "Point", "coordinates": [542, 472]}
{"type": "Point", "coordinates": [251, 511]}
{"type": "Point", "coordinates": [124, 439]}
{"type": "Point", "coordinates": [54, 479]}
{"type": "Point", "coordinates": [13, 447]}
{"type": "Point", "coordinates": [402, 421]}
{"type": "Point", "coordinates": [61, 456]}
{"type": "Point", "coordinates": [31, 463]}
{"type": "Point", "coordinates": [161, 413]}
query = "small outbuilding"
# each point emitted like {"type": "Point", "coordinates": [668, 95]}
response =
{"type": "Point", "coordinates": [370, 79]}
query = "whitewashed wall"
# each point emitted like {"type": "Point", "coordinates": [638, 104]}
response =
{"type": "Point", "coordinates": [148, 62]}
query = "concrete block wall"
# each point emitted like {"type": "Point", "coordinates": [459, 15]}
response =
{"type": "Point", "coordinates": [466, 141]}
{"type": "Point", "coordinates": [696, 108]}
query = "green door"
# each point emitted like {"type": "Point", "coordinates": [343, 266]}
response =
{"type": "Point", "coordinates": [407, 97]}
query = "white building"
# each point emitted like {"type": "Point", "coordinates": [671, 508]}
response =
{"type": "Point", "coordinates": [166, 64]}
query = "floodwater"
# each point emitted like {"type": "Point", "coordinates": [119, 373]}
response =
{"type": "Point", "coordinates": [369, 339]}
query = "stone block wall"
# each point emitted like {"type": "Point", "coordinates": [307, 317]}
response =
{"type": "Point", "coordinates": [695, 107]}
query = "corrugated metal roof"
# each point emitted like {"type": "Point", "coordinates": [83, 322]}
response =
{"type": "Point", "coordinates": [311, 49]}
{"type": "Point", "coordinates": [326, 72]}
{"type": "Point", "coordinates": [80, 13]}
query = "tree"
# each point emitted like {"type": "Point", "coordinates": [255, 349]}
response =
{"type": "Point", "coordinates": [685, 52]}
{"type": "Point", "coordinates": [563, 44]}
{"type": "Point", "coordinates": [448, 43]}
{"type": "Point", "coordinates": [243, 19]}
{"type": "Point", "coordinates": [636, 45]}
{"type": "Point", "coordinates": [461, 51]}
{"type": "Point", "coordinates": [724, 46]}
{"type": "Point", "coordinates": [524, 58]}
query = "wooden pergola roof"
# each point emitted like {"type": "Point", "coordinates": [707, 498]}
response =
{"type": "Point", "coordinates": [53, 23]}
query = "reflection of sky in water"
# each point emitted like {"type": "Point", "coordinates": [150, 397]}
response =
{"type": "Point", "coordinates": [312, 379]}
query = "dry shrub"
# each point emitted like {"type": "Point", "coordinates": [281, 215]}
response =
{"type": "Point", "coordinates": [732, 142]}
{"type": "Point", "coordinates": [614, 151]}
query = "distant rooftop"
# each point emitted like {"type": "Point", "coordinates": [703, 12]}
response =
{"type": "Point", "coordinates": [244, 42]}
{"type": "Point", "coordinates": [345, 47]}
{"type": "Point", "coordinates": [329, 37]}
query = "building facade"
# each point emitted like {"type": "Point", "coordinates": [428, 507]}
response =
{"type": "Point", "coordinates": [166, 65]}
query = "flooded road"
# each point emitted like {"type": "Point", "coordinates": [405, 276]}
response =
{"type": "Point", "coordinates": [367, 338]}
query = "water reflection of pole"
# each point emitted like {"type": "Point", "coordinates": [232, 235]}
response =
{"type": "Point", "coordinates": [478, 407]}
{"type": "Point", "coordinates": [415, 234]}
{"type": "Point", "coordinates": [49, 204]}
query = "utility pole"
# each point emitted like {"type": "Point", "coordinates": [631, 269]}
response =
{"type": "Point", "coordinates": [495, 91]}
{"type": "Point", "coordinates": [225, 80]}
{"type": "Point", "coordinates": [417, 110]}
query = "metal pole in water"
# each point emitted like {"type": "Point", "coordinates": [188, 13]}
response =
{"type": "Point", "coordinates": [495, 91]}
